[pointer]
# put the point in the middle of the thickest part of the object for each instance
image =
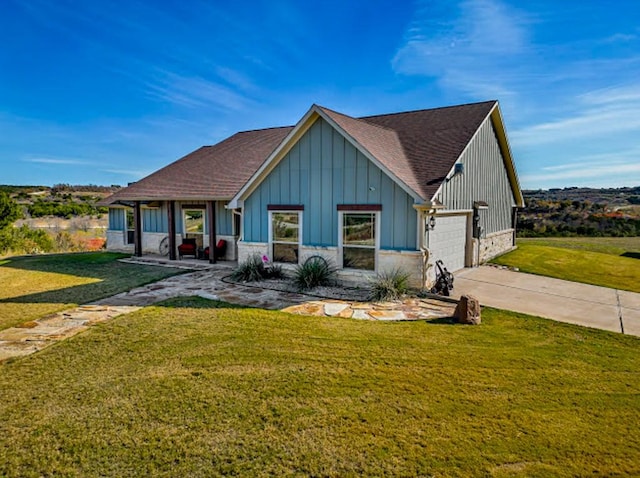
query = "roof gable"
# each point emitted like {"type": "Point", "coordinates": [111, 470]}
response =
{"type": "Point", "coordinates": [433, 139]}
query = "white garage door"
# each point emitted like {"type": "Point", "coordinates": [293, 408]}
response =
{"type": "Point", "coordinates": [448, 241]}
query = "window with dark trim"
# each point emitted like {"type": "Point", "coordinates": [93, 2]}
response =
{"type": "Point", "coordinates": [359, 240]}
{"type": "Point", "coordinates": [285, 235]}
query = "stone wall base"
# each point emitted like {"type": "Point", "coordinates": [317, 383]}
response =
{"type": "Point", "coordinates": [409, 261]}
{"type": "Point", "coordinates": [492, 246]}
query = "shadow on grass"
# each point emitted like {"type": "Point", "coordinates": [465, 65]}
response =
{"type": "Point", "coordinates": [442, 321]}
{"type": "Point", "coordinates": [113, 277]}
{"type": "Point", "coordinates": [632, 255]}
{"type": "Point", "coordinates": [195, 302]}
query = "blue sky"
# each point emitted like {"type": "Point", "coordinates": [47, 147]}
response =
{"type": "Point", "coordinates": [107, 92]}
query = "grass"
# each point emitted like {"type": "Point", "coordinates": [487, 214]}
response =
{"type": "Point", "coordinates": [35, 286]}
{"type": "Point", "coordinates": [607, 262]}
{"type": "Point", "coordinates": [198, 388]}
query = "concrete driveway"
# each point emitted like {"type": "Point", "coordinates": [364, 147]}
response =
{"type": "Point", "coordinates": [564, 301]}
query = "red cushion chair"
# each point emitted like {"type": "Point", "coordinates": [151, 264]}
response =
{"type": "Point", "coordinates": [220, 250]}
{"type": "Point", "coordinates": [187, 248]}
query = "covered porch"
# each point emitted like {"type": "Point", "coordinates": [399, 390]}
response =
{"type": "Point", "coordinates": [178, 230]}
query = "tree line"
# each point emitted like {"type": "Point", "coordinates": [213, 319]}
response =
{"type": "Point", "coordinates": [548, 218]}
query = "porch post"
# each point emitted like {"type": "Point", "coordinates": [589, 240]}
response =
{"type": "Point", "coordinates": [137, 231]}
{"type": "Point", "coordinates": [171, 213]}
{"type": "Point", "coordinates": [211, 221]}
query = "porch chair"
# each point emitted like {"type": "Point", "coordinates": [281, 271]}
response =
{"type": "Point", "coordinates": [187, 248]}
{"type": "Point", "coordinates": [220, 250]}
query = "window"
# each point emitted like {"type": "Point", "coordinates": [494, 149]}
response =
{"type": "Point", "coordinates": [359, 240]}
{"type": "Point", "coordinates": [285, 236]}
{"type": "Point", "coordinates": [193, 220]}
{"type": "Point", "coordinates": [130, 227]}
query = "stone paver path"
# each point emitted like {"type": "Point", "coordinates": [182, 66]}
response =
{"type": "Point", "coordinates": [207, 283]}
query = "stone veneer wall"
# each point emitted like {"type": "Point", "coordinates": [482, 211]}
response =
{"type": "Point", "coordinates": [409, 261]}
{"type": "Point", "coordinates": [115, 242]}
{"type": "Point", "coordinates": [247, 249]}
{"type": "Point", "coordinates": [494, 245]}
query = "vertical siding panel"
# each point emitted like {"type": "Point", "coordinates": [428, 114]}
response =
{"type": "Point", "coordinates": [116, 219]}
{"type": "Point", "coordinates": [373, 185]}
{"type": "Point", "coordinates": [264, 216]}
{"type": "Point", "coordinates": [295, 178]}
{"type": "Point", "coordinates": [362, 173]}
{"type": "Point", "coordinates": [285, 180]}
{"type": "Point", "coordinates": [164, 220]}
{"type": "Point", "coordinates": [326, 185]}
{"type": "Point", "coordinates": [305, 178]}
{"type": "Point", "coordinates": [274, 186]}
{"type": "Point", "coordinates": [315, 186]}
{"type": "Point", "coordinates": [399, 217]}
{"type": "Point", "coordinates": [338, 182]}
{"type": "Point", "coordinates": [387, 215]}
{"type": "Point", "coordinates": [349, 173]}
{"type": "Point", "coordinates": [484, 179]}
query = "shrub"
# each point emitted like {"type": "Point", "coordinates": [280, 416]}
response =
{"type": "Point", "coordinates": [23, 240]}
{"type": "Point", "coordinates": [275, 271]}
{"type": "Point", "coordinates": [315, 271]}
{"type": "Point", "coordinates": [390, 285]}
{"type": "Point", "coordinates": [251, 270]}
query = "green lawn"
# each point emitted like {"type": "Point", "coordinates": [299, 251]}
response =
{"type": "Point", "coordinates": [197, 388]}
{"type": "Point", "coordinates": [35, 286]}
{"type": "Point", "coordinates": [606, 261]}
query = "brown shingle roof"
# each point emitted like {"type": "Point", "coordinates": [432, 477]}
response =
{"type": "Point", "coordinates": [432, 140]}
{"type": "Point", "coordinates": [211, 172]}
{"type": "Point", "coordinates": [418, 147]}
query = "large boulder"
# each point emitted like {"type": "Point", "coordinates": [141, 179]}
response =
{"type": "Point", "coordinates": [468, 310]}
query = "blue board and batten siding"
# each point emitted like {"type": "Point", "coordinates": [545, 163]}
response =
{"type": "Point", "coordinates": [157, 219]}
{"type": "Point", "coordinates": [321, 171]}
{"type": "Point", "coordinates": [116, 219]}
{"type": "Point", "coordinates": [154, 220]}
{"type": "Point", "coordinates": [484, 179]}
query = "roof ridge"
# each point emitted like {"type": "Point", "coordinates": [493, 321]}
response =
{"type": "Point", "coordinates": [426, 109]}
{"type": "Point", "coordinates": [363, 119]}
{"type": "Point", "coordinates": [260, 129]}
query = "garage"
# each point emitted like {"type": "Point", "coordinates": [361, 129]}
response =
{"type": "Point", "coordinates": [448, 241]}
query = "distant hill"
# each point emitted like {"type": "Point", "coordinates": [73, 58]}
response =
{"type": "Point", "coordinates": [581, 212]}
{"type": "Point", "coordinates": [609, 196]}
{"type": "Point", "coordinates": [60, 200]}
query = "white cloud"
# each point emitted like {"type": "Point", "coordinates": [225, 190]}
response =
{"type": "Point", "coordinates": [472, 53]}
{"type": "Point", "coordinates": [195, 92]}
{"type": "Point", "coordinates": [621, 168]}
{"type": "Point", "coordinates": [627, 173]}
{"type": "Point", "coordinates": [56, 161]}
{"type": "Point", "coordinates": [597, 114]}
{"type": "Point", "coordinates": [134, 173]}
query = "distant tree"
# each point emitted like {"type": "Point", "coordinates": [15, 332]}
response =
{"type": "Point", "coordinates": [9, 210]}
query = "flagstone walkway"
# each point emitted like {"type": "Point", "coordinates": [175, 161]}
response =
{"type": "Point", "coordinates": [208, 283]}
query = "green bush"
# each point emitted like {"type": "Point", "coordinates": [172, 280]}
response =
{"type": "Point", "coordinates": [9, 210]}
{"type": "Point", "coordinates": [251, 270]}
{"type": "Point", "coordinates": [275, 271]}
{"type": "Point", "coordinates": [23, 240]}
{"type": "Point", "coordinates": [315, 271]}
{"type": "Point", "coordinates": [390, 285]}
